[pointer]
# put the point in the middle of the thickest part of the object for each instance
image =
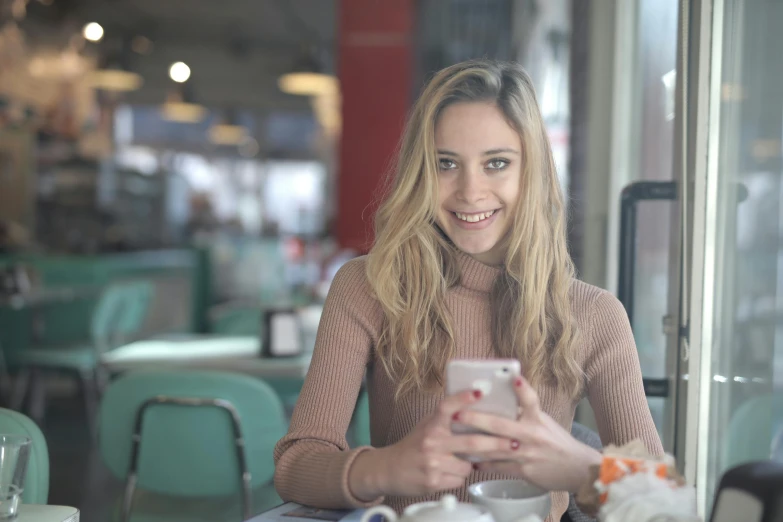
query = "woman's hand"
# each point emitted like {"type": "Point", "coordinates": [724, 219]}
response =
{"type": "Point", "coordinates": [424, 461]}
{"type": "Point", "coordinates": [541, 451]}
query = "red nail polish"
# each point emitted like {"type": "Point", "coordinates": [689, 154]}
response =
{"type": "Point", "coordinates": [518, 382]}
{"type": "Point", "coordinates": [455, 417]}
{"type": "Point", "coordinates": [514, 444]}
{"type": "Point", "coordinates": [477, 394]}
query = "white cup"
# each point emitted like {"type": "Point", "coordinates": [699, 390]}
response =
{"type": "Point", "coordinates": [511, 500]}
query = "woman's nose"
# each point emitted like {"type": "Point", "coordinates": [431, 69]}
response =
{"type": "Point", "coordinates": [471, 186]}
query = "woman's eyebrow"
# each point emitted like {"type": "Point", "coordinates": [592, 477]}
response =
{"type": "Point", "coordinates": [447, 153]}
{"type": "Point", "coordinates": [500, 151]}
{"type": "Point", "coordinates": [490, 152]}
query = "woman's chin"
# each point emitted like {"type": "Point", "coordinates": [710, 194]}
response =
{"type": "Point", "coordinates": [483, 253]}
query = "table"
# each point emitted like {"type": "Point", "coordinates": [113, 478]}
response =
{"type": "Point", "coordinates": [40, 513]}
{"type": "Point", "coordinates": [221, 353]}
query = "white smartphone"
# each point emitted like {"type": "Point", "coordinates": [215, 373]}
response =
{"type": "Point", "coordinates": [493, 377]}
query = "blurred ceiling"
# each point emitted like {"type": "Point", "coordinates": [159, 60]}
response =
{"type": "Point", "coordinates": [236, 49]}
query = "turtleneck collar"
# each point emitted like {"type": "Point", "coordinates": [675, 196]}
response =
{"type": "Point", "coordinates": [475, 274]}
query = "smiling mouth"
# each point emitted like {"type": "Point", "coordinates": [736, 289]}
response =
{"type": "Point", "coordinates": [474, 218]}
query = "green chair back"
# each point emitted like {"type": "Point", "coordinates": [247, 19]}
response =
{"type": "Point", "coordinates": [361, 421]}
{"type": "Point", "coordinates": [36, 485]}
{"type": "Point", "coordinates": [752, 430]}
{"type": "Point", "coordinates": [120, 313]}
{"type": "Point", "coordinates": [190, 450]}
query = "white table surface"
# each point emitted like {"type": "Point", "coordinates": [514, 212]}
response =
{"type": "Point", "coordinates": [234, 354]}
{"type": "Point", "coordinates": [39, 513]}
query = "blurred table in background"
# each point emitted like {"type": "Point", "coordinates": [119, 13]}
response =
{"type": "Point", "coordinates": [285, 375]}
{"type": "Point", "coordinates": [234, 354]}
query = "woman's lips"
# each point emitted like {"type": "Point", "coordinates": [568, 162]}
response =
{"type": "Point", "coordinates": [482, 223]}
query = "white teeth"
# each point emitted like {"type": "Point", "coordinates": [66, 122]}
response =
{"type": "Point", "coordinates": [474, 218]}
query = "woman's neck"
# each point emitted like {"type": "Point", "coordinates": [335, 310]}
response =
{"type": "Point", "coordinates": [475, 274]}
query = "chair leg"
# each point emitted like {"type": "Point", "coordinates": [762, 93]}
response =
{"type": "Point", "coordinates": [37, 396]}
{"type": "Point", "coordinates": [102, 379]}
{"type": "Point", "coordinates": [20, 389]}
{"type": "Point", "coordinates": [88, 382]}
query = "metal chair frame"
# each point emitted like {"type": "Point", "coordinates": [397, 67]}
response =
{"type": "Point", "coordinates": [239, 441]}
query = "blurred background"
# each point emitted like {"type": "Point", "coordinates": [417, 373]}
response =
{"type": "Point", "coordinates": [210, 165]}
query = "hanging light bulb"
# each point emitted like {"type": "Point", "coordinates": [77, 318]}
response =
{"type": "Point", "coordinates": [93, 32]}
{"type": "Point", "coordinates": [179, 72]}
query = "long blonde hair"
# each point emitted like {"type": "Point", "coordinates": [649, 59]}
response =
{"type": "Point", "coordinates": [412, 264]}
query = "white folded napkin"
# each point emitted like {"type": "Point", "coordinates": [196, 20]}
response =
{"type": "Point", "coordinates": [645, 497]}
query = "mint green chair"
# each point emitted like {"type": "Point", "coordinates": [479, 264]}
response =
{"type": "Point", "coordinates": [36, 485]}
{"type": "Point", "coordinates": [191, 441]}
{"type": "Point", "coordinates": [361, 421]}
{"type": "Point", "coordinates": [117, 317]}
{"type": "Point", "coordinates": [752, 430]}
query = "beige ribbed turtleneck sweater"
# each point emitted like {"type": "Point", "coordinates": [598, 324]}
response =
{"type": "Point", "coordinates": [313, 460]}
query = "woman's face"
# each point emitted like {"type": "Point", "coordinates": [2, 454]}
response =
{"type": "Point", "coordinates": [480, 165]}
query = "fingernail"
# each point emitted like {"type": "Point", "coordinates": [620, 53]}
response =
{"type": "Point", "coordinates": [518, 382]}
{"type": "Point", "coordinates": [477, 394]}
{"type": "Point", "coordinates": [455, 417]}
{"type": "Point", "coordinates": [514, 444]}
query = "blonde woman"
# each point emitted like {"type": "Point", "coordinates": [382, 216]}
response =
{"type": "Point", "coordinates": [469, 261]}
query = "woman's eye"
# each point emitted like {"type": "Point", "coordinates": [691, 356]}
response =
{"type": "Point", "coordinates": [446, 164]}
{"type": "Point", "coordinates": [497, 164]}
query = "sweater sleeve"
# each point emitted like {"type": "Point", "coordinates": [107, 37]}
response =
{"type": "Point", "coordinates": [313, 460]}
{"type": "Point", "coordinates": [614, 378]}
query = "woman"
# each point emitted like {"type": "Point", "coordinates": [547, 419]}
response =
{"type": "Point", "coordinates": [469, 261]}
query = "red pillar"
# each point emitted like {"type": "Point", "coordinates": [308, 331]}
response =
{"type": "Point", "coordinates": [375, 70]}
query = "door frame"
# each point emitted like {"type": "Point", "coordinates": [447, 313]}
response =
{"type": "Point", "coordinates": [700, 125]}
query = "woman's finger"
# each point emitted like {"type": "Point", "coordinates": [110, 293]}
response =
{"type": "Point", "coordinates": [494, 424]}
{"type": "Point", "coordinates": [475, 444]}
{"type": "Point", "coordinates": [453, 404]}
{"type": "Point", "coordinates": [528, 398]}
{"type": "Point", "coordinates": [456, 467]}
{"type": "Point", "coordinates": [512, 468]}
{"type": "Point", "coordinates": [446, 482]}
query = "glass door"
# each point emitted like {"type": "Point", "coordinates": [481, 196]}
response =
{"type": "Point", "coordinates": [735, 267]}
{"type": "Point", "coordinates": [648, 199]}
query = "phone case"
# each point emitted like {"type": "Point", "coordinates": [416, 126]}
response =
{"type": "Point", "coordinates": [494, 377]}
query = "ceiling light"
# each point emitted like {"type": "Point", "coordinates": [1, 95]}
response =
{"type": "Point", "coordinates": [116, 80]}
{"type": "Point", "coordinates": [180, 106]}
{"type": "Point", "coordinates": [307, 83]}
{"type": "Point", "coordinates": [183, 112]}
{"type": "Point", "coordinates": [93, 32]}
{"type": "Point", "coordinates": [227, 134]}
{"type": "Point", "coordinates": [115, 74]}
{"type": "Point", "coordinates": [307, 78]}
{"type": "Point", "coordinates": [228, 131]}
{"type": "Point", "coordinates": [179, 72]}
